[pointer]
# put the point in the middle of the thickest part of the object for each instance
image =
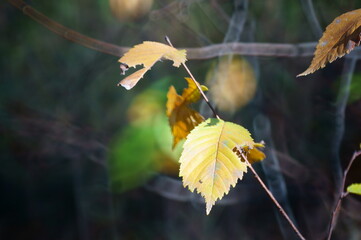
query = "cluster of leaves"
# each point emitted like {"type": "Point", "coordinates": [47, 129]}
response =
{"type": "Point", "coordinates": [215, 153]}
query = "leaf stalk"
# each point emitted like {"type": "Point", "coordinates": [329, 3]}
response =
{"type": "Point", "coordinates": [197, 84]}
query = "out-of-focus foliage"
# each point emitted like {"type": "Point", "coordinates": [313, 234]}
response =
{"type": "Point", "coordinates": [355, 89]}
{"type": "Point", "coordinates": [142, 149]}
{"type": "Point", "coordinates": [208, 162]}
{"type": "Point", "coordinates": [232, 83]}
{"type": "Point", "coordinates": [147, 54]}
{"type": "Point", "coordinates": [340, 38]}
{"type": "Point", "coordinates": [130, 10]}
{"type": "Point", "coordinates": [182, 119]}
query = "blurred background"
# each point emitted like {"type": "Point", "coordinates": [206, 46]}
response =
{"type": "Point", "coordinates": [83, 159]}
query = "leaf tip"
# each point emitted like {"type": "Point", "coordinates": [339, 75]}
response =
{"type": "Point", "coordinates": [208, 208]}
{"type": "Point", "coordinates": [304, 73]}
{"type": "Point", "coordinates": [125, 85]}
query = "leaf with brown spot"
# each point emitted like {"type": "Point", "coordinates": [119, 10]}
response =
{"type": "Point", "coordinates": [340, 38]}
{"type": "Point", "coordinates": [182, 119]}
{"type": "Point", "coordinates": [147, 53]}
{"type": "Point", "coordinates": [211, 160]}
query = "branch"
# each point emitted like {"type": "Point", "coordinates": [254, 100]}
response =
{"type": "Point", "coordinates": [273, 172]}
{"type": "Point", "coordinates": [339, 119]}
{"type": "Point", "coordinates": [68, 33]}
{"type": "Point", "coordinates": [342, 195]}
{"type": "Point", "coordinates": [309, 11]}
{"type": "Point", "coordinates": [237, 21]}
{"type": "Point", "coordinates": [211, 51]}
{"type": "Point", "coordinates": [272, 197]}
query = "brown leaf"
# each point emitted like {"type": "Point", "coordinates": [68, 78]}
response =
{"type": "Point", "coordinates": [147, 53]}
{"type": "Point", "coordinates": [340, 38]}
{"type": "Point", "coordinates": [182, 119]}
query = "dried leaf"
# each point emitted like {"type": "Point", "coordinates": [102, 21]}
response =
{"type": "Point", "coordinates": [253, 154]}
{"type": "Point", "coordinates": [354, 188]}
{"type": "Point", "coordinates": [208, 162]}
{"type": "Point", "coordinates": [340, 38]}
{"type": "Point", "coordinates": [147, 53]}
{"type": "Point", "coordinates": [233, 83]}
{"type": "Point", "coordinates": [182, 119]}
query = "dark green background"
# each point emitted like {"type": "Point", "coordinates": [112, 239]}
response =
{"type": "Point", "coordinates": [74, 166]}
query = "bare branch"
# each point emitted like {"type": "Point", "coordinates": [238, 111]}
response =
{"type": "Point", "coordinates": [341, 196]}
{"type": "Point", "coordinates": [211, 51]}
{"type": "Point", "coordinates": [236, 24]}
{"type": "Point", "coordinates": [68, 33]}
{"type": "Point", "coordinates": [273, 173]}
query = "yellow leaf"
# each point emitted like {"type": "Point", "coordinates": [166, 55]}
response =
{"type": "Point", "coordinates": [183, 119]}
{"type": "Point", "coordinates": [354, 188]}
{"type": "Point", "coordinates": [340, 38]}
{"type": "Point", "coordinates": [192, 94]}
{"type": "Point", "coordinates": [209, 163]}
{"type": "Point", "coordinates": [233, 83]}
{"type": "Point", "coordinates": [147, 53]}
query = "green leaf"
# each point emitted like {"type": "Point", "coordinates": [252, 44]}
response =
{"type": "Point", "coordinates": [354, 188]}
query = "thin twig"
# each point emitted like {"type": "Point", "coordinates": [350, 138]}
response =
{"type": "Point", "coordinates": [273, 173]}
{"type": "Point", "coordinates": [342, 195]}
{"type": "Point", "coordinates": [272, 197]}
{"type": "Point", "coordinates": [197, 84]}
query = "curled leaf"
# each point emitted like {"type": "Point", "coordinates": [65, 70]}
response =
{"type": "Point", "coordinates": [147, 53]}
{"type": "Point", "coordinates": [182, 119]}
{"type": "Point", "coordinates": [340, 38]}
{"type": "Point", "coordinates": [209, 163]}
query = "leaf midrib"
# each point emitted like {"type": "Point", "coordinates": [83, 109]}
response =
{"type": "Point", "coordinates": [216, 153]}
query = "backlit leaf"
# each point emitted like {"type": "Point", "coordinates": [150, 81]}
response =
{"type": "Point", "coordinates": [209, 162]}
{"type": "Point", "coordinates": [182, 119]}
{"type": "Point", "coordinates": [340, 38]}
{"type": "Point", "coordinates": [192, 94]}
{"type": "Point", "coordinates": [147, 53]}
{"type": "Point", "coordinates": [354, 188]}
